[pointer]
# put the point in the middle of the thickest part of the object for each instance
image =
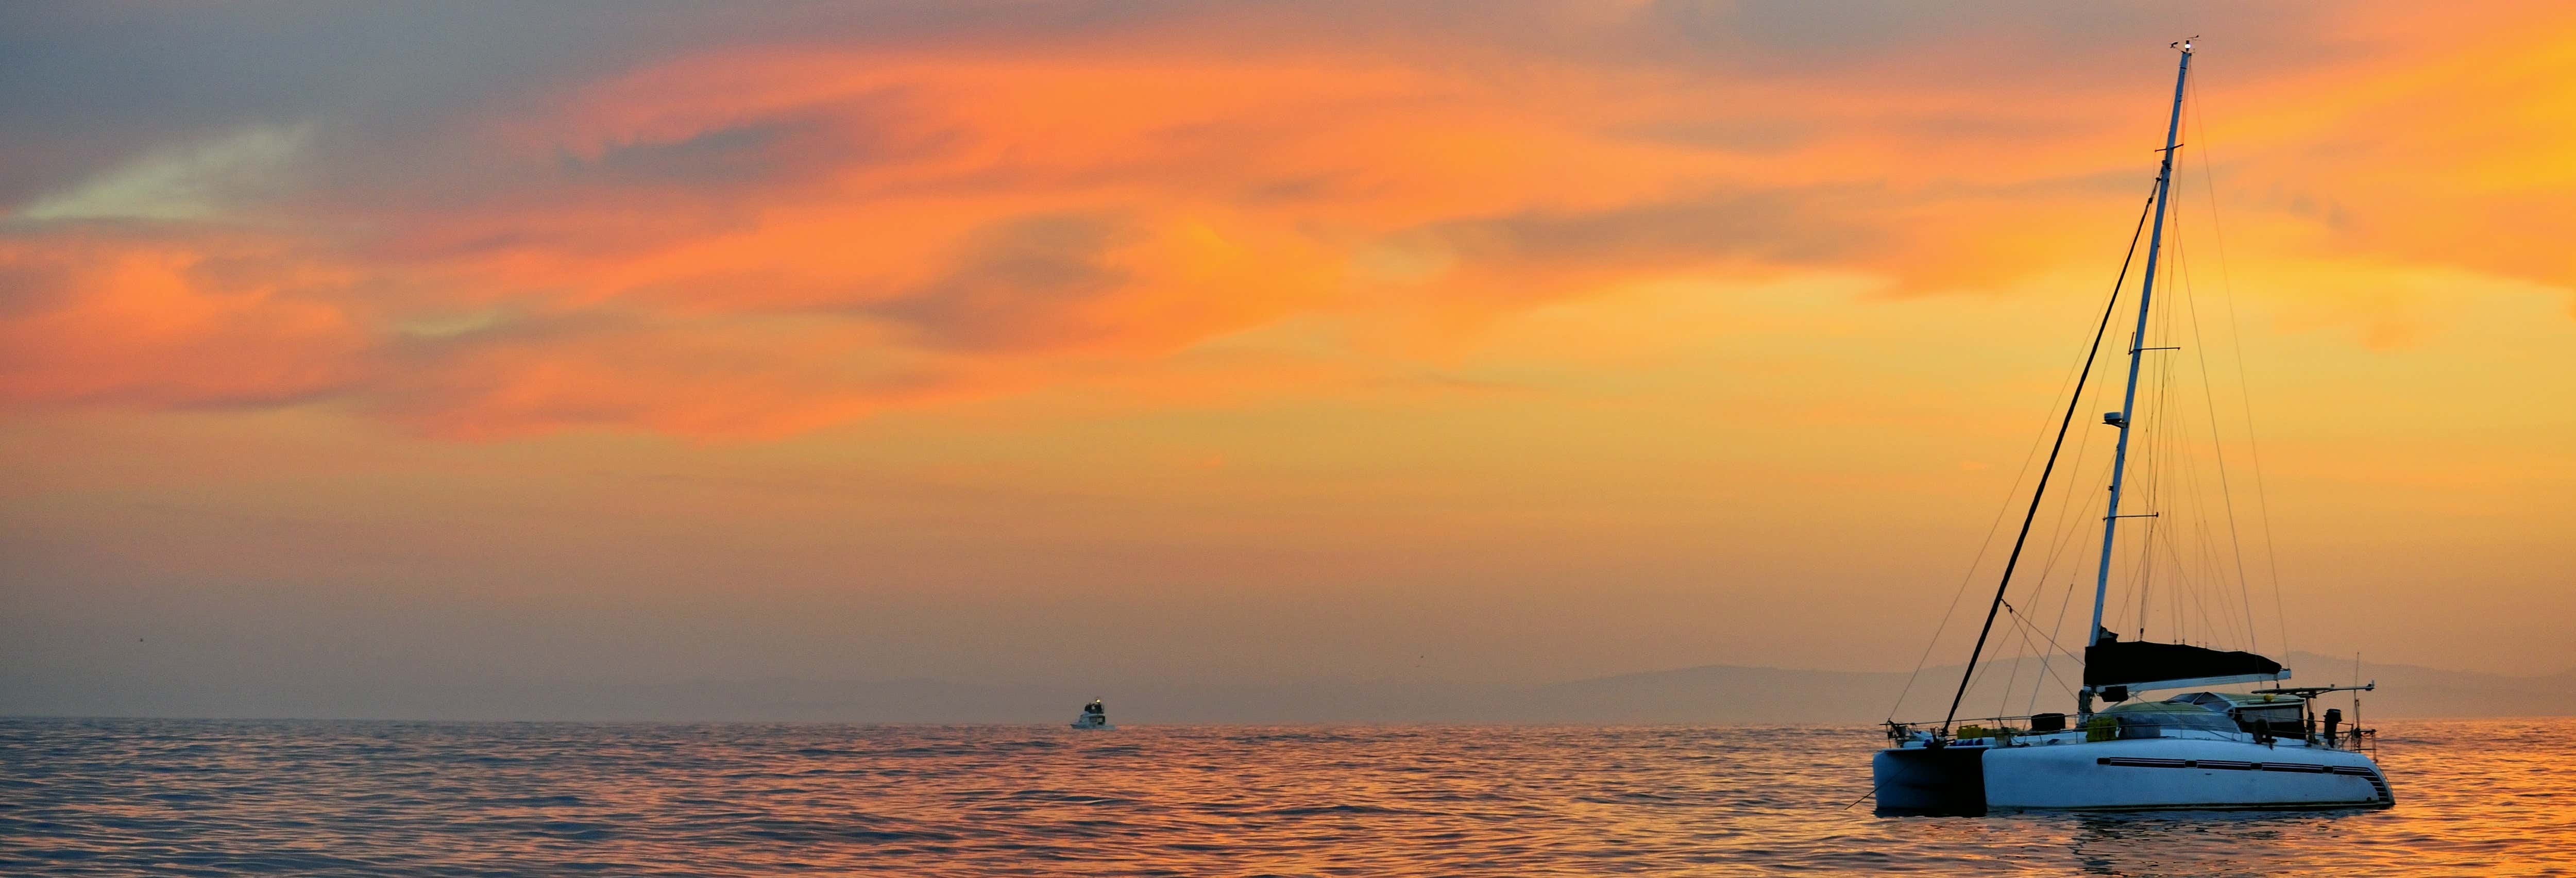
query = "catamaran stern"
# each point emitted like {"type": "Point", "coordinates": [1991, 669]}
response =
{"type": "Point", "coordinates": [1917, 780]}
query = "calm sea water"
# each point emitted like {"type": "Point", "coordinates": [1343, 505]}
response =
{"type": "Point", "coordinates": [160, 797]}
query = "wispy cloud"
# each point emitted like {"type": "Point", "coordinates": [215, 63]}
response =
{"type": "Point", "coordinates": [190, 182]}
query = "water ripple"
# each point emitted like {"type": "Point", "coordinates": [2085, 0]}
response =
{"type": "Point", "coordinates": [167, 797]}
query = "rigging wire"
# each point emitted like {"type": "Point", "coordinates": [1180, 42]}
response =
{"type": "Point", "coordinates": [2025, 628]}
{"type": "Point", "coordinates": [2062, 528]}
{"type": "Point", "coordinates": [2006, 505]}
{"type": "Point", "coordinates": [2177, 468]}
{"type": "Point", "coordinates": [2053, 628]}
{"type": "Point", "coordinates": [2147, 472]}
{"type": "Point", "coordinates": [1992, 528]}
{"type": "Point", "coordinates": [2052, 560]}
{"type": "Point", "coordinates": [2041, 491]}
{"type": "Point", "coordinates": [2245, 388]}
{"type": "Point", "coordinates": [2227, 497]}
{"type": "Point", "coordinates": [2054, 648]}
{"type": "Point", "coordinates": [2172, 486]}
{"type": "Point", "coordinates": [2069, 525]}
{"type": "Point", "coordinates": [2039, 579]}
{"type": "Point", "coordinates": [2005, 699]}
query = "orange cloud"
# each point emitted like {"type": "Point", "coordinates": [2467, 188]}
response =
{"type": "Point", "coordinates": [100, 314]}
{"type": "Point", "coordinates": [760, 239]}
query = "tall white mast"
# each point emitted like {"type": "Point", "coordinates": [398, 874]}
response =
{"type": "Point", "coordinates": [2120, 458]}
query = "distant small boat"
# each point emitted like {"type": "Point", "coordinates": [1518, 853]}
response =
{"type": "Point", "coordinates": [1093, 716]}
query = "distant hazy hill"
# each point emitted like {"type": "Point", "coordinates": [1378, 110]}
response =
{"type": "Point", "coordinates": [1712, 694]}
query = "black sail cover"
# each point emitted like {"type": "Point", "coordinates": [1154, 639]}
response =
{"type": "Point", "coordinates": [2112, 662]}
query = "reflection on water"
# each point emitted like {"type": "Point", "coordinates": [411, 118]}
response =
{"type": "Point", "coordinates": [130, 797]}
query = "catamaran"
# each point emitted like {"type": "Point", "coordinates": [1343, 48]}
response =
{"type": "Point", "coordinates": [2261, 749]}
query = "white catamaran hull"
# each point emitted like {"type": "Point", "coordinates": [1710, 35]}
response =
{"type": "Point", "coordinates": [2148, 774]}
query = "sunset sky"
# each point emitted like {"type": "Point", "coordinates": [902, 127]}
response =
{"type": "Point", "coordinates": [1100, 342]}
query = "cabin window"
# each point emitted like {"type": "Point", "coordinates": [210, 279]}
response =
{"type": "Point", "coordinates": [2282, 720]}
{"type": "Point", "coordinates": [2154, 723]}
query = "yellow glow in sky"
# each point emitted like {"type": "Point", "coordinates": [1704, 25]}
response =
{"type": "Point", "coordinates": [1246, 343]}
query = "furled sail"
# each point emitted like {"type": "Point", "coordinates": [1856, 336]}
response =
{"type": "Point", "coordinates": [2139, 664]}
